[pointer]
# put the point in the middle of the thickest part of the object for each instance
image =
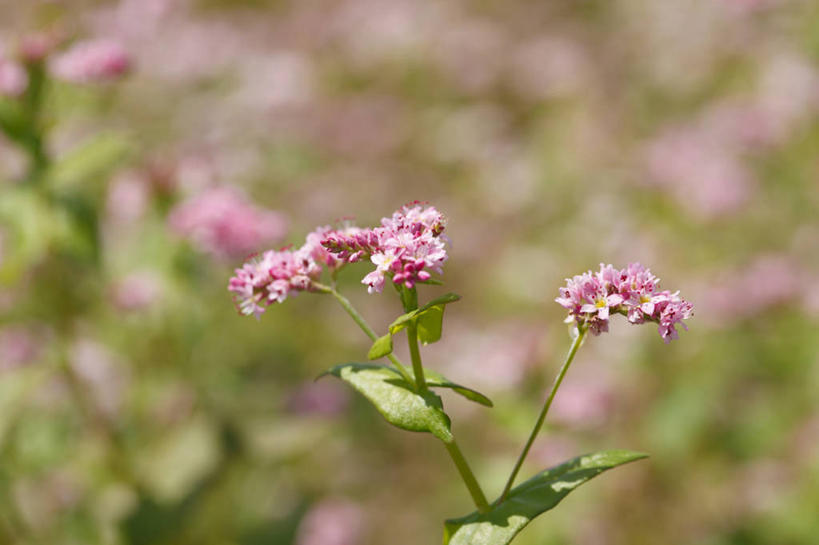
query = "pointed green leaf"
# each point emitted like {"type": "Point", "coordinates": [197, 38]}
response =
{"type": "Point", "coordinates": [434, 306]}
{"type": "Point", "coordinates": [437, 380]}
{"type": "Point", "coordinates": [380, 348]}
{"type": "Point", "coordinates": [395, 399]}
{"type": "Point", "coordinates": [91, 161]}
{"type": "Point", "coordinates": [528, 500]}
{"type": "Point", "coordinates": [430, 324]}
{"type": "Point", "coordinates": [445, 299]}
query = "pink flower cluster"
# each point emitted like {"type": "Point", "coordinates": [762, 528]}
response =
{"type": "Point", "coordinates": [13, 78]}
{"type": "Point", "coordinates": [93, 61]}
{"type": "Point", "coordinates": [221, 221]}
{"type": "Point", "coordinates": [591, 298]}
{"type": "Point", "coordinates": [273, 276]}
{"type": "Point", "coordinates": [406, 247]}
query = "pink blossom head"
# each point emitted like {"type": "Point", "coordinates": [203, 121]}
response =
{"type": "Point", "coordinates": [406, 248]}
{"type": "Point", "coordinates": [93, 61]}
{"type": "Point", "coordinates": [220, 221]}
{"type": "Point", "coordinates": [13, 78]}
{"type": "Point", "coordinates": [272, 278]}
{"type": "Point", "coordinates": [35, 47]}
{"type": "Point", "coordinates": [591, 299]}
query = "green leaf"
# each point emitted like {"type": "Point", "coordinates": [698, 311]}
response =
{"type": "Point", "coordinates": [435, 306]}
{"type": "Point", "coordinates": [13, 121]}
{"type": "Point", "coordinates": [380, 348]}
{"type": "Point", "coordinates": [526, 501]}
{"type": "Point", "coordinates": [437, 380]}
{"type": "Point", "coordinates": [91, 161]}
{"type": "Point", "coordinates": [396, 399]}
{"type": "Point", "coordinates": [430, 324]}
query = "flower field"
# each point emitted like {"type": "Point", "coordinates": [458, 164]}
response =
{"type": "Point", "coordinates": [189, 188]}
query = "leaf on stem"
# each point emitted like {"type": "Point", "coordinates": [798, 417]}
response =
{"type": "Point", "coordinates": [437, 380]}
{"type": "Point", "coordinates": [380, 348]}
{"type": "Point", "coordinates": [428, 318]}
{"type": "Point", "coordinates": [91, 161]}
{"type": "Point", "coordinates": [396, 399]}
{"type": "Point", "coordinates": [528, 500]}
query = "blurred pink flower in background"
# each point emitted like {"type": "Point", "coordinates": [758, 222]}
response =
{"type": "Point", "coordinates": [767, 281]}
{"type": "Point", "coordinates": [42, 498]}
{"type": "Point", "coordinates": [471, 53]}
{"type": "Point", "coordinates": [557, 449]}
{"type": "Point", "coordinates": [506, 352]}
{"type": "Point", "coordinates": [128, 197]}
{"type": "Point", "coordinates": [585, 398]}
{"type": "Point", "coordinates": [19, 346]}
{"type": "Point", "coordinates": [35, 47]}
{"type": "Point", "coordinates": [332, 522]}
{"type": "Point", "coordinates": [750, 6]}
{"type": "Point", "coordinates": [13, 78]}
{"type": "Point", "coordinates": [137, 291]}
{"type": "Point", "coordinates": [703, 163]}
{"type": "Point", "coordinates": [318, 398]}
{"type": "Point", "coordinates": [278, 80]}
{"type": "Point", "coordinates": [92, 61]}
{"type": "Point", "coordinates": [787, 93]}
{"type": "Point", "coordinates": [699, 171]}
{"type": "Point", "coordinates": [102, 373]}
{"type": "Point", "coordinates": [222, 222]}
{"type": "Point", "coordinates": [548, 67]}
{"type": "Point", "coordinates": [370, 32]}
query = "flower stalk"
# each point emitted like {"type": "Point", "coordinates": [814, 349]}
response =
{"type": "Point", "coordinates": [578, 340]}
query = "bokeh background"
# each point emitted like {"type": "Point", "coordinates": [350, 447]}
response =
{"type": "Point", "coordinates": [137, 407]}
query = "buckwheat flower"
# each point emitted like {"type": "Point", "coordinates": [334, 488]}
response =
{"type": "Point", "coordinates": [406, 248]}
{"type": "Point", "coordinates": [672, 310]}
{"type": "Point", "coordinates": [13, 78]}
{"type": "Point", "coordinates": [588, 301]}
{"type": "Point", "coordinates": [638, 286]}
{"type": "Point", "coordinates": [272, 278]}
{"type": "Point", "coordinates": [352, 244]}
{"type": "Point", "coordinates": [222, 222]}
{"type": "Point", "coordinates": [93, 61]}
{"type": "Point", "coordinates": [591, 298]}
{"type": "Point", "coordinates": [337, 247]}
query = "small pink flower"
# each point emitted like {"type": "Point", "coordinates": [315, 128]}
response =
{"type": "Point", "coordinates": [591, 298]}
{"type": "Point", "coordinates": [13, 78]}
{"type": "Point", "coordinates": [93, 61]}
{"type": "Point", "coordinates": [220, 221]}
{"type": "Point", "coordinates": [273, 277]}
{"type": "Point", "coordinates": [406, 247]}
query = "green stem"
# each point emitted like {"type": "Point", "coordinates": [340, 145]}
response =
{"type": "Point", "coordinates": [34, 141]}
{"type": "Point", "coordinates": [365, 327]}
{"type": "Point", "coordinates": [415, 355]}
{"type": "Point", "coordinates": [548, 403]}
{"type": "Point", "coordinates": [467, 476]}
{"type": "Point", "coordinates": [452, 447]}
{"type": "Point", "coordinates": [409, 298]}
